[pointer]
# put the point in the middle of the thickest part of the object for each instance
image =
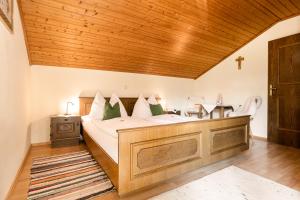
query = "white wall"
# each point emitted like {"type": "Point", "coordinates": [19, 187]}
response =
{"type": "Point", "coordinates": [252, 79]}
{"type": "Point", "coordinates": [52, 87]}
{"type": "Point", "coordinates": [14, 102]}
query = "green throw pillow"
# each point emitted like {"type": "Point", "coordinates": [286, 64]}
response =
{"type": "Point", "coordinates": [111, 112]}
{"type": "Point", "coordinates": [156, 109]}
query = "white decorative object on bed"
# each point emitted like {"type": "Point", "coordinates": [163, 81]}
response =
{"type": "Point", "coordinates": [141, 108]}
{"type": "Point", "coordinates": [115, 99]}
{"type": "Point", "coordinates": [97, 108]}
{"type": "Point", "coordinates": [152, 100]}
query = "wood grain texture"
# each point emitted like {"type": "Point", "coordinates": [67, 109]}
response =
{"type": "Point", "coordinates": [170, 38]}
{"type": "Point", "coordinates": [228, 138]}
{"type": "Point", "coordinates": [165, 153]}
{"type": "Point", "coordinates": [283, 104]}
{"type": "Point", "coordinates": [154, 155]}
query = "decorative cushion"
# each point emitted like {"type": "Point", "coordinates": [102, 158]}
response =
{"type": "Point", "coordinates": [152, 100]}
{"type": "Point", "coordinates": [156, 109]}
{"type": "Point", "coordinates": [111, 112]}
{"type": "Point", "coordinates": [113, 100]}
{"type": "Point", "coordinates": [97, 108]}
{"type": "Point", "coordinates": [141, 108]}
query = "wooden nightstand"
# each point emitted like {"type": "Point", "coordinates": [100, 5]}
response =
{"type": "Point", "coordinates": [65, 130]}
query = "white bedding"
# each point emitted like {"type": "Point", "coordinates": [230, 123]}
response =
{"type": "Point", "coordinates": [111, 126]}
{"type": "Point", "coordinates": [105, 140]}
{"type": "Point", "coordinates": [169, 119]}
{"type": "Point", "coordinates": [106, 135]}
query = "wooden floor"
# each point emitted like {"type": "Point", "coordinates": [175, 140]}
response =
{"type": "Point", "coordinates": [275, 162]}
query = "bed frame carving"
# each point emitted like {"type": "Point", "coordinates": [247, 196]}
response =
{"type": "Point", "coordinates": [155, 155]}
{"type": "Point", "coordinates": [224, 139]}
{"type": "Point", "coordinates": [161, 155]}
{"type": "Point", "coordinates": [149, 155]}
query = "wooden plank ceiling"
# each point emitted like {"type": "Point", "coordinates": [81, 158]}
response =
{"type": "Point", "coordinates": [181, 38]}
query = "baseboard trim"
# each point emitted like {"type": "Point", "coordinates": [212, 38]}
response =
{"type": "Point", "coordinates": [260, 138]}
{"type": "Point", "coordinates": [18, 173]}
{"type": "Point", "coordinates": [40, 144]}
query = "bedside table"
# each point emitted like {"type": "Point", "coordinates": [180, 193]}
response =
{"type": "Point", "coordinates": [65, 130]}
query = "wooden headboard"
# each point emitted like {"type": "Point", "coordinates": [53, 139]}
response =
{"type": "Point", "coordinates": [86, 103]}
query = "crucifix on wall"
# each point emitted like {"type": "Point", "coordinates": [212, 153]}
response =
{"type": "Point", "coordinates": [239, 60]}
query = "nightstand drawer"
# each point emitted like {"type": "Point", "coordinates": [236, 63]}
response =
{"type": "Point", "coordinates": [65, 127]}
{"type": "Point", "coordinates": [66, 130]}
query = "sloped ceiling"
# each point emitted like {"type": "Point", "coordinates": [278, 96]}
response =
{"type": "Point", "coordinates": [181, 38]}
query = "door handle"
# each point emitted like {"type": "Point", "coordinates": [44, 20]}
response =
{"type": "Point", "coordinates": [272, 90]}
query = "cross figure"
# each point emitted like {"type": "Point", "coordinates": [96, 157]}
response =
{"type": "Point", "coordinates": [239, 60]}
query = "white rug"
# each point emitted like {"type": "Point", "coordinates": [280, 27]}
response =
{"type": "Point", "coordinates": [231, 183]}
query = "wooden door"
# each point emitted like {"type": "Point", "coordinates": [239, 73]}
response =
{"type": "Point", "coordinates": [284, 91]}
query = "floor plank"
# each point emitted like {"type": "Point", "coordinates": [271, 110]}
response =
{"type": "Point", "coordinates": [275, 162]}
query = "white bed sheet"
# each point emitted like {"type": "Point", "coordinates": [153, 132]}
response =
{"type": "Point", "coordinates": [105, 132]}
{"type": "Point", "coordinates": [108, 143]}
{"type": "Point", "coordinates": [169, 119]}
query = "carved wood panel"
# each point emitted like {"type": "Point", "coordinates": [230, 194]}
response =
{"type": "Point", "coordinates": [65, 127]}
{"type": "Point", "coordinates": [153, 155]}
{"type": "Point", "coordinates": [166, 153]}
{"type": "Point", "coordinates": [227, 138]}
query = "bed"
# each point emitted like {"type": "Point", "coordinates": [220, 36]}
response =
{"type": "Point", "coordinates": [160, 148]}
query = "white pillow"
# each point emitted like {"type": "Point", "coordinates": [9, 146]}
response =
{"type": "Point", "coordinates": [152, 100]}
{"type": "Point", "coordinates": [97, 108]}
{"type": "Point", "coordinates": [115, 99]}
{"type": "Point", "coordinates": [141, 108]}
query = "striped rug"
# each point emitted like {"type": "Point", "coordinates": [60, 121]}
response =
{"type": "Point", "coordinates": [68, 176]}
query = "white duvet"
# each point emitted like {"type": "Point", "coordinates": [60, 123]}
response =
{"type": "Point", "coordinates": [169, 119]}
{"type": "Point", "coordinates": [111, 126]}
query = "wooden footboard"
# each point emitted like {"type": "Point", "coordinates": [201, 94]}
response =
{"type": "Point", "coordinates": [153, 154]}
